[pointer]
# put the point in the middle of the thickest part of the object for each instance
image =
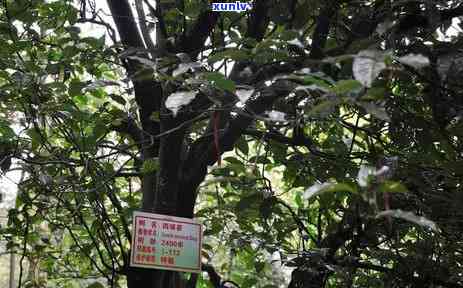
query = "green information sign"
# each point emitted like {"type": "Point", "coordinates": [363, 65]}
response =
{"type": "Point", "coordinates": [166, 242]}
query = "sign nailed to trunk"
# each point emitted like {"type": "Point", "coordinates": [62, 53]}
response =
{"type": "Point", "coordinates": [166, 242]}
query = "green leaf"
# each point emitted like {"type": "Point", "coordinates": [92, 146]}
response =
{"type": "Point", "coordinates": [36, 139]}
{"type": "Point", "coordinates": [227, 85]}
{"type": "Point", "coordinates": [155, 116]}
{"type": "Point", "coordinates": [75, 87]}
{"type": "Point", "coordinates": [375, 93]}
{"type": "Point", "coordinates": [324, 108]}
{"type": "Point", "coordinates": [266, 207]}
{"type": "Point", "coordinates": [150, 165]}
{"type": "Point", "coordinates": [118, 98]}
{"type": "Point", "coordinates": [70, 51]}
{"type": "Point", "coordinates": [6, 132]}
{"type": "Point", "coordinates": [242, 145]}
{"type": "Point", "coordinates": [99, 130]}
{"type": "Point", "coordinates": [233, 54]}
{"type": "Point", "coordinates": [324, 82]}
{"type": "Point", "coordinates": [213, 76]}
{"type": "Point", "coordinates": [259, 160]}
{"type": "Point", "coordinates": [345, 87]}
{"type": "Point", "coordinates": [233, 160]}
{"type": "Point", "coordinates": [342, 187]}
{"type": "Point", "coordinates": [259, 266]}
{"type": "Point", "coordinates": [248, 202]}
{"type": "Point", "coordinates": [392, 187]}
{"type": "Point", "coordinates": [279, 150]}
{"type": "Point", "coordinates": [96, 285]}
{"type": "Point", "coordinates": [219, 81]}
{"type": "Point", "coordinates": [81, 100]}
{"type": "Point", "coordinates": [215, 228]}
{"type": "Point", "coordinates": [298, 200]}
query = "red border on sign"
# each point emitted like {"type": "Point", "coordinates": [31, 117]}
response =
{"type": "Point", "coordinates": [166, 219]}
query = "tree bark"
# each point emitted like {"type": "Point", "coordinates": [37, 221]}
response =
{"type": "Point", "coordinates": [160, 190]}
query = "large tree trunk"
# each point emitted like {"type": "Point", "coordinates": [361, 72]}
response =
{"type": "Point", "coordinates": [148, 95]}
{"type": "Point", "coordinates": [160, 189]}
{"type": "Point", "coordinates": [139, 277]}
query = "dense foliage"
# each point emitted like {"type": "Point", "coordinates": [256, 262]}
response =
{"type": "Point", "coordinates": [323, 138]}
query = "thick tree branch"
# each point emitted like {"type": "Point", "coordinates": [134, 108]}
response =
{"type": "Point", "coordinates": [257, 25]}
{"type": "Point", "coordinates": [268, 71]}
{"type": "Point", "coordinates": [158, 13]}
{"type": "Point", "coordinates": [172, 148]}
{"type": "Point", "coordinates": [303, 140]}
{"type": "Point", "coordinates": [343, 233]}
{"type": "Point", "coordinates": [127, 28]}
{"type": "Point", "coordinates": [148, 93]}
{"type": "Point", "coordinates": [144, 90]}
{"type": "Point", "coordinates": [203, 153]}
{"type": "Point", "coordinates": [144, 28]}
{"type": "Point", "coordinates": [130, 127]}
{"type": "Point", "coordinates": [258, 21]}
{"type": "Point", "coordinates": [214, 277]}
{"type": "Point", "coordinates": [322, 29]}
{"type": "Point", "coordinates": [171, 154]}
{"type": "Point", "coordinates": [418, 20]}
{"type": "Point", "coordinates": [124, 20]}
{"type": "Point", "coordinates": [193, 42]}
{"type": "Point", "coordinates": [452, 13]}
{"type": "Point", "coordinates": [300, 224]}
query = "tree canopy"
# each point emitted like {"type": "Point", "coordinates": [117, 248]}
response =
{"type": "Point", "coordinates": [319, 142]}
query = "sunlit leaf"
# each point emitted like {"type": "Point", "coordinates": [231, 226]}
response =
{"type": "Point", "coordinates": [367, 65]}
{"type": "Point", "coordinates": [185, 67]}
{"type": "Point", "coordinates": [276, 116]}
{"type": "Point", "coordinates": [244, 94]}
{"type": "Point", "coordinates": [383, 27]}
{"type": "Point", "coordinates": [312, 87]}
{"type": "Point", "coordinates": [242, 145]}
{"type": "Point", "coordinates": [376, 110]}
{"type": "Point", "coordinates": [411, 217]}
{"type": "Point", "coordinates": [364, 175]}
{"type": "Point", "coordinates": [100, 83]}
{"type": "Point", "coordinates": [179, 99]}
{"type": "Point", "coordinates": [296, 42]}
{"type": "Point", "coordinates": [327, 187]}
{"type": "Point", "coordinates": [146, 62]}
{"type": "Point", "coordinates": [416, 61]}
